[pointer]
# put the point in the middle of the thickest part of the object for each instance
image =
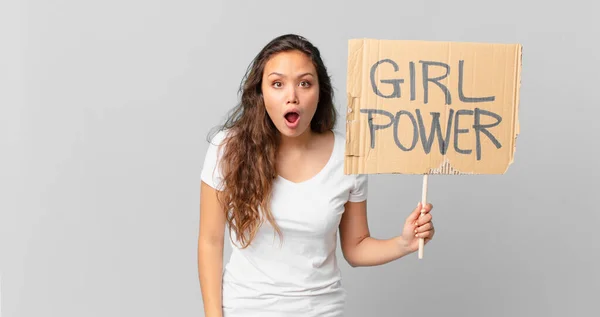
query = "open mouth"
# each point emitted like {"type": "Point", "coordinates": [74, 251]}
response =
{"type": "Point", "coordinates": [292, 116]}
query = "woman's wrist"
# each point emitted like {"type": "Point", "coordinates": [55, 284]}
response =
{"type": "Point", "coordinates": [404, 246]}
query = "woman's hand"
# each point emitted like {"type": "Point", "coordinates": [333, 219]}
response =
{"type": "Point", "coordinates": [416, 227]}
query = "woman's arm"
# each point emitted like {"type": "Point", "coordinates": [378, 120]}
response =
{"type": "Point", "coordinates": [210, 251]}
{"type": "Point", "coordinates": [360, 249]}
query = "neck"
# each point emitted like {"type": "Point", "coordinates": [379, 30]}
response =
{"type": "Point", "coordinates": [301, 142]}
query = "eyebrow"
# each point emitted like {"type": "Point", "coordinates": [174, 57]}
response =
{"type": "Point", "coordinates": [282, 75]}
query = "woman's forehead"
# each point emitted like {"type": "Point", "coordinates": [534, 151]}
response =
{"type": "Point", "coordinates": [289, 63]}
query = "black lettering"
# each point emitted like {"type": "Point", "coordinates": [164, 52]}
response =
{"type": "Point", "coordinates": [461, 95]}
{"type": "Point", "coordinates": [436, 129]}
{"type": "Point", "coordinates": [374, 127]}
{"type": "Point", "coordinates": [435, 132]}
{"type": "Point", "coordinates": [457, 131]}
{"type": "Point", "coordinates": [395, 82]}
{"type": "Point", "coordinates": [483, 128]}
{"type": "Point", "coordinates": [435, 80]}
{"type": "Point", "coordinates": [415, 132]}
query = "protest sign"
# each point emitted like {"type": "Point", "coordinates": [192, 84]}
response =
{"type": "Point", "coordinates": [424, 107]}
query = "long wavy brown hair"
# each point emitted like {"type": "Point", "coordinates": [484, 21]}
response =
{"type": "Point", "coordinates": [250, 148]}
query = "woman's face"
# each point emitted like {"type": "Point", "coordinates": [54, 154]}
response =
{"type": "Point", "coordinates": [290, 91]}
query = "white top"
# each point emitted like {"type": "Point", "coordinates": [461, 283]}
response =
{"type": "Point", "coordinates": [299, 275]}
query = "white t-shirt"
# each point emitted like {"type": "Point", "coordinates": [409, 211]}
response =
{"type": "Point", "coordinates": [299, 275]}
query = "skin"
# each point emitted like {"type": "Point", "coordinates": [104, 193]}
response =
{"type": "Point", "coordinates": [210, 250]}
{"type": "Point", "coordinates": [290, 81]}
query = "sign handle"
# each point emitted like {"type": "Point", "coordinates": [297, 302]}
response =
{"type": "Point", "coordinates": [423, 202]}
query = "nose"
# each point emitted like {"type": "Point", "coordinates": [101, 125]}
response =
{"type": "Point", "coordinates": [292, 96]}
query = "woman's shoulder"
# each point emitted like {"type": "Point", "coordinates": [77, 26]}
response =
{"type": "Point", "coordinates": [359, 190]}
{"type": "Point", "coordinates": [211, 170]}
{"type": "Point", "coordinates": [339, 135]}
{"type": "Point", "coordinates": [340, 141]}
{"type": "Point", "coordinates": [216, 137]}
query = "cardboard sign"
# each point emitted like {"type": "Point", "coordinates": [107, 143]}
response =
{"type": "Point", "coordinates": [417, 107]}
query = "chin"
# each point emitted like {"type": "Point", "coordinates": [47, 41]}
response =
{"type": "Point", "coordinates": [292, 133]}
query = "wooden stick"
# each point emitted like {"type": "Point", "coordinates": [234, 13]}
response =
{"type": "Point", "coordinates": [423, 202]}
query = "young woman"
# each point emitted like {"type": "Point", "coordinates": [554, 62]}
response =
{"type": "Point", "coordinates": [273, 174]}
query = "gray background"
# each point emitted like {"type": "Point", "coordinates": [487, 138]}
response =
{"type": "Point", "coordinates": [104, 111]}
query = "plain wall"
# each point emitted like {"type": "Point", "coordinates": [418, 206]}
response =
{"type": "Point", "coordinates": [104, 111]}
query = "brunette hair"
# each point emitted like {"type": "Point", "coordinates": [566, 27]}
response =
{"type": "Point", "coordinates": [250, 147]}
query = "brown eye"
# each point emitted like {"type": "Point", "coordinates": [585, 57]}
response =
{"type": "Point", "coordinates": [305, 84]}
{"type": "Point", "coordinates": [277, 84]}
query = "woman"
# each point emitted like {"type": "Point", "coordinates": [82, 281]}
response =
{"type": "Point", "coordinates": [274, 175]}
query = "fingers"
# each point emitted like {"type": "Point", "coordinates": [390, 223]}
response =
{"type": "Point", "coordinates": [423, 232]}
{"type": "Point", "coordinates": [427, 208]}
{"type": "Point", "coordinates": [417, 211]}
{"type": "Point", "coordinates": [414, 214]}
{"type": "Point", "coordinates": [423, 219]}
{"type": "Point", "coordinates": [423, 226]}
{"type": "Point", "coordinates": [426, 227]}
